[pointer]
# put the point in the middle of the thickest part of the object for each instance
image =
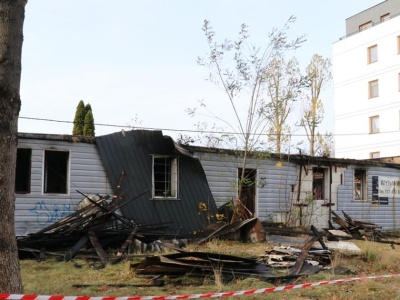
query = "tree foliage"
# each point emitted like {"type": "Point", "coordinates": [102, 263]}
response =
{"type": "Point", "coordinates": [318, 74]}
{"type": "Point", "coordinates": [79, 119]}
{"type": "Point", "coordinates": [83, 121]}
{"type": "Point", "coordinates": [240, 70]}
{"type": "Point", "coordinates": [284, 84]}
{"type": "Point", "coordinates": [88, 127]}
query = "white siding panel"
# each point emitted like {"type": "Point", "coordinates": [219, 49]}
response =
{"type": "Point", "coordinates": [36, 210]}
{"type": "Point", "coordinates": [272, 198]}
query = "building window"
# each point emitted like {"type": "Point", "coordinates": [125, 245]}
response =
{"type": "Point", "coordinates": [360, 184]}
{"type": "Point", "coordinates": [375, 154]}
{"type": "Point", "coordinates": [23, 171]}
{"type": "Point", "coordinates": [385, 17]}
{"type": "Point", "coordinates": [374, 124]}
{"type": "Point", "coordinates": [365, 26]}
{"type": "Point", "coordinates": [165, 177]}
{"type": "Point", "coordinates": [398, 45]}
{"type": "Point", "coordinates": [372, 54]}
{"type": "Point", "coordinates": [398, 81]}
{"type": "Point", "coordinates": [56, 172]}
{"type": "Point", "coordinates": [318, 183]}
{"type": "Point", "coordinates": [373, 89]}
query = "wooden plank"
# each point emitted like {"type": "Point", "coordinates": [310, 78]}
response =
{"type": "Point", "coordinates": [127, 242]}
{"type": "Point", "coordinates": [296, 269]}
{"type": "Point", "coordinates": [72, 252]}
{"type": "Point", "coordinates": [98, 247]}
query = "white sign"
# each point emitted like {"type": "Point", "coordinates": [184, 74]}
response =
{"type": "Point", "coordinates": [389, 186]}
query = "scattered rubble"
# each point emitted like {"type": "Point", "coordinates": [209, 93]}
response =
{"type": "Point", "coordinates": [96, 227]}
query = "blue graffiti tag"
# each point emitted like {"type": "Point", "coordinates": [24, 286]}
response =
{"type": "Point", "coordinates": [44, 215]}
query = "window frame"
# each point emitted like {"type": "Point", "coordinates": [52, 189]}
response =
{"type": "Point", "coordinates": [371, 58]}
{"type": "Point", "coordinates": [398, 82]}
{"type": "Point", "coordinates": [318, 183]}
{"type": "Point", "coordinates": [365, 26]}
{"type": "Point", "coordinates": [169, 177]}
{"type": "Point", "coordinates": [371, 88]}
{"type": "Point", "coordinates": [385, 17]}
{"type": "Point", "coordinates": [359, 185]}
{"type": "Point", "coordinates": [374, 154]}
{"type": "Point", "coordinates": [398, 44]}
{"type": "Point", "coordinates": [23, 171]}
{"type": "Point", "coordinates": [56, 173]}
{"type": "Point", "coordinates": [372, 128]}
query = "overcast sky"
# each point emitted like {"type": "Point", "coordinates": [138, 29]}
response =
{"type": "Point", "coordinates": [134, 61]}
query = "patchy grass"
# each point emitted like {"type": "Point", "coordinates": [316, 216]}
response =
{"type": "Point", "coordinates": [51, 277]}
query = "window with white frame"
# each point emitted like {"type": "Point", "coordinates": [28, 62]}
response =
{"type": "Point", "coordinates": [373, 89]}
{"type": "Point", "coordinates": [165, 177]}
{"type": "Point", "coordinates": [372, 54]}
{"type": "Point", "coordinates": [56, 173]}
{"type": "Point", "coordinates": [360, 184]}
{"type": "Point", "coordinates": [374, 124]}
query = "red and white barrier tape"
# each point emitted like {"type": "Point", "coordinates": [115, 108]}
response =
{"type": "Point", "coordinates": [193, 296]}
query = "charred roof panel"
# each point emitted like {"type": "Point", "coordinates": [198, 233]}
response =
{"type": "Point", "coordinates": [130, 153]}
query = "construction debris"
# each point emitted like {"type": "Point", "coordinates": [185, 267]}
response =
{"type": "Point", "coordinates": [89, 231]}
{"type": "Point", "coordinates": [356, 229]}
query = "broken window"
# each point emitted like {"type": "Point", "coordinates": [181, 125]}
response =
{"type": "Point", "coordinates": [360, 184]}
{"type": "Point", "coordinates": [318, 183]}
{"type": "Point", "coordinates": [23, 171]}
{"type": "Point", "coordinates": [248, 187]}
{"type": "Point", "coordinates": [56, 172]}
{"type": "Point", "coordinates": [165, 177]}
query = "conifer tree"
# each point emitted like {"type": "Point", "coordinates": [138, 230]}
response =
{"type": "Point", "coordinates": [79, 119]}
{"type": "Point", "coordinates": [87, 108]}
{"type": "Point", "coordinates": [88, 127]}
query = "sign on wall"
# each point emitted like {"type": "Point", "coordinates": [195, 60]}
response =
{"type": "Point", "coordinates": [388, 186]}
{"type": "Point", "coordinates": [382, 187]}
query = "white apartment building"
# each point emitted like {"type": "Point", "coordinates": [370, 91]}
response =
{"type": "Point", "coordinates": [366, 74]}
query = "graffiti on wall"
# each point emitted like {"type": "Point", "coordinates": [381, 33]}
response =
{"type": "Point", "coordinates": [44, 215]}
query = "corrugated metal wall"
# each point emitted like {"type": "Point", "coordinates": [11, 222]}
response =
{"type": "Point", "coordinates": [131, 152]}
{"type": "Point", "coordinates": [274, 183]}
{"type": "Point", "coordinates": [36, 210]}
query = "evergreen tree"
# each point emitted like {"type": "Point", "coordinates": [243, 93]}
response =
{"type": "Point", "coordinates": [87, 108]}
{"type": "Point", "coordinates": [88, 127]}
{"type": "Point", "coordinates": [79, 119]}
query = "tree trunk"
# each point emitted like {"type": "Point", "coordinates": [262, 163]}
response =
{"type": "Point", "coordinates": [12, 13]}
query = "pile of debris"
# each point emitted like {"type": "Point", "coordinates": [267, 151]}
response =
{"type": "Point", "coordinates": [284, 263]}
{"type": "Point", "coordinates": [88, 231]}
{"type": "Point", "coordinates": [353, 229]}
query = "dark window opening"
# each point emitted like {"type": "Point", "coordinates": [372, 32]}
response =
{"type": "Point", "coordinates": [248, 196]}
{"type": "Point", "coordinates": [318, 183]}
{"type": "Point", "coordinates": [56, 172]}
{"type": "Point", "coordinates": [360, 184]}
{"type": "Point", "coordinates": [23, 171]}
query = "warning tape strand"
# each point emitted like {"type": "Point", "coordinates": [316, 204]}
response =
{"type": "Point", "coordinates": [194, 296]}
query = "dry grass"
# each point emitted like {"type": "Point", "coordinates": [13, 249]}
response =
{"type": "Point", "coordinates": [51, 277]}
